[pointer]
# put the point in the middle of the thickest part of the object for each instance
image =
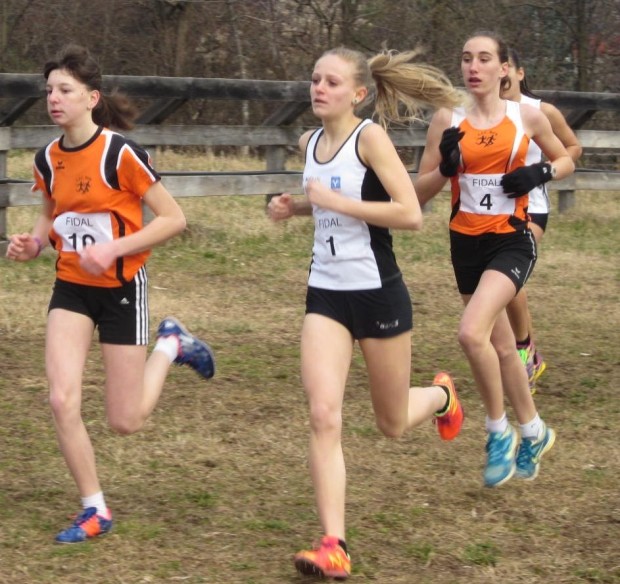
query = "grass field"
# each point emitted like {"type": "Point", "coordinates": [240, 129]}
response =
{"type": "Point", "coordinates": [215, 488]}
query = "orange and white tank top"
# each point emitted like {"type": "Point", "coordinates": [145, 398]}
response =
{"type": "Point", "coordinates": [97, 192]}
{"type": "Point", "coordinates": [479, 204]}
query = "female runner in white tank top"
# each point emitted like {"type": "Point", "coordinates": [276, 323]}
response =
{"type": "Point", "coordinates": [358, 189]}
{"type": "Point", "coordinates": [538, 209]}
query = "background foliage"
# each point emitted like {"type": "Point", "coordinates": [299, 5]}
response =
{"type": "Point", "coordinates": [566, 44]}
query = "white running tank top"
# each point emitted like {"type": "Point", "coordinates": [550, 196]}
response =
{"type": "Point", "coordinates": [538, 199]}
{"type": "Point", "coordinates": [348, 254]}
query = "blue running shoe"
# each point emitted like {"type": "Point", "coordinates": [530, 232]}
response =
{"type": "Point", "coordinates": [86, 525]}
{"type": "Point", "coordinates": [193, 352]}
{"type": "Point", "coordinates": [501, 450]}
{"type": "Point", "coordinates": [530, 453]}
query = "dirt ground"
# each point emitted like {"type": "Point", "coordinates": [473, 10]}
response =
{"type": "Point", "coordinates": [216, 489]}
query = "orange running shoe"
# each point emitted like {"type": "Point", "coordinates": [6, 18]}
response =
{"type": "Point", "coordinates": [328, 560]}
{"type": "Point", "coordinates": [450, 422]}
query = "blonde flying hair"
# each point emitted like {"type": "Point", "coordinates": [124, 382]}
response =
{"type": "Point", "coordinates": [400, 87]}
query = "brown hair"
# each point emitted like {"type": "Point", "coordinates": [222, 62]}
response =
{"type": "Point", "coordinates": [114, 110]}
{"type": "Point", "coordinates": [502, 52]}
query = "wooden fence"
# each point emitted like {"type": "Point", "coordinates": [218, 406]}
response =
{"type": "Point", "coordinates": [275, 135]}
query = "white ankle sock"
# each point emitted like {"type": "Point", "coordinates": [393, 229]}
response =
{"type": "Point", "coordinates": [497, 425]}
{"type": "Point", "coordinates": [96, 500]}
{"type": "Point", "coordinates": [169, 346]}
{"type": "Point", "coordinates": [533, 429]}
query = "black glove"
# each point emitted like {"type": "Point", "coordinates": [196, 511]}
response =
{"type": "Point", "coordinates": [521, 181]}
{"type": "Point", "coordinates": [450, 153]}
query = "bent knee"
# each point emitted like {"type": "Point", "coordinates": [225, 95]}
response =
{"type": "Point", "coordinates": [470, 340]}
{"type": "Point", "coordinates": [125, 426]}
{"type": "Point", "coordinates": [391, 428]}
{"type": "Point", "coordinates": [506, 351]}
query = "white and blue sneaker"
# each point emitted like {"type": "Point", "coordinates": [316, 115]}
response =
{"type": "Point", "coordinates": [192, 351]}
{"type": "Point", "coordinates": [530, 453]}
{"type": "Point", "coordinates": [501, 457]}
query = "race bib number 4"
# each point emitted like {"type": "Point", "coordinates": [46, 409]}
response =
{"type": "Point", "coordinates": [78, 230]}
{"type": "Point", "coordinates": [484, 195]}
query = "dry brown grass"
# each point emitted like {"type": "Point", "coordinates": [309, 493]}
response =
{"type": "Point", "coordinates": [216, 489]}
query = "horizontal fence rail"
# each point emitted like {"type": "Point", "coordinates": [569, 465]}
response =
{"type": "Point", "coordinates": [276, 136]}
{"type": "Point", "coordinates": [25, 85]}
{"type": "Point", "coordinates": [203, 184]}
{"type": "Point", "coordinates": [33, 137]}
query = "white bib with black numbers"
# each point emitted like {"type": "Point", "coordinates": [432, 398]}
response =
{"type": "Point", "coordinates": [78, 230]}
{"type": "Point", "coordinates": [483, 194]}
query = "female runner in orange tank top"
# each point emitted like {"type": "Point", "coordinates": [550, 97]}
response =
{"type": "Point", "coordinates": [94, 181]}
{"type": "Point", "coordinates": [481, 149]}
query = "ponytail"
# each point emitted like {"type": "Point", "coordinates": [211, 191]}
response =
{"type": "Point", "coordinates": [114, 110]}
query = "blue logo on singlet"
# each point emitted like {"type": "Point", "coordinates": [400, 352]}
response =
{"type": "Point", "coordinates": [335, 184]}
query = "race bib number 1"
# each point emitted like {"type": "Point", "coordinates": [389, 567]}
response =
{"type": "Point", "coordinates": [79, 230]}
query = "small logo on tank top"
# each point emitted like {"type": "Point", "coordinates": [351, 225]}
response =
{"type": "Point", "coordinates": [335, 183]}
{"type": "Point", "coordinates": [83, 184]}
{"type": "Point", "coordinates": [486, 138]}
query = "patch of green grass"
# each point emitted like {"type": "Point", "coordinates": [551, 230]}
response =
{"type": "Point", "coordinates": [268, 524]}
{"type": "Point", "coordinates": [363, 431]}
{"type": "Point", "coordinates": [168, 569]}
{"type": "Point", "coordinates": [422, 552]}
{"type": "Point", "coordinates": [216, 487]}
{"type": "Point", "coordinates": [598, 576]}
{"type": "Point", "coordinates": [482, 554]}
{"type": "Point", "coordinates": [201, 499]}
{"type": "Point", "coordinates": [596, 476]}
{"type": "Point", "coordinates": [141, 531]}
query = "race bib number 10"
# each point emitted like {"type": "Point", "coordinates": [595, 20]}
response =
{"type": "Point", "coordinates": [79, 230]}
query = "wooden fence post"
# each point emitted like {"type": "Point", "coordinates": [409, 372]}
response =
{"type": "Point", "coordinates": [5, 146]}
{"type": "Point", "coordinates": [275, 159]}
{"type": "Point", "coordinates": [566, 200]}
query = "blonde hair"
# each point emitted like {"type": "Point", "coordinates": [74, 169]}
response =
{"type": "Point", "coordinates": [399, 86]}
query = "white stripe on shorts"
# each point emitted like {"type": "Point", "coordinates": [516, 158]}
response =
{"type": "Point", "coordinates": [533, 261]}
{"type": "Point", "coordinates": [142, 307]}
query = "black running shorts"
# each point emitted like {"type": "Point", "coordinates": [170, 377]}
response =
{"type": "Point", "coordinates": [121, 314]}
{"type": "Point", "coordinates": [512, 254]}
{"type": "Point", "coordinates": [381, 313]}
{"type": "Point", "coordinates": [539, 219]}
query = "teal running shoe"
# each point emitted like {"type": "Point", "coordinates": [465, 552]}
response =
{"type": "Point", "coordinates": [86, 525]}
{"type": "Point", "coordinates": [530, 453]}
{"type": "Point", "coordinates": [501, 450]}
{"type": "Point", "coordinates": [192, 351]}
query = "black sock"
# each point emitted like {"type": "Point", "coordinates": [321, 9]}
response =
{"type": "Point", "coordinates": [525, 343]}
{"type": "Point", "coordinates": [447, 406]}
{"type": "Point", "coordinates": [343, 545]}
